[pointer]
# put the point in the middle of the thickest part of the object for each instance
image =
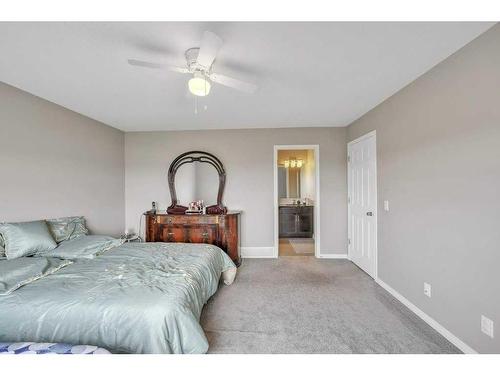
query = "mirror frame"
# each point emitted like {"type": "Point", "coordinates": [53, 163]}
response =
{"type": "Point", "coordinates": [190, 157]}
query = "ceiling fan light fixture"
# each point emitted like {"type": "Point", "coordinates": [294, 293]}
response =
{"type": "Point", "coordinates": [199, 85]}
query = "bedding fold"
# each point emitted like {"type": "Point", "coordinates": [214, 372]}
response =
{"type": "Point", "coordinates": [18, 272]}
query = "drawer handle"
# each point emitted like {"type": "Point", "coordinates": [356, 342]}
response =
{"type": "Point", "coordinates": [170, 233]}
{"type": "Point", "coordinates": [205, 234]}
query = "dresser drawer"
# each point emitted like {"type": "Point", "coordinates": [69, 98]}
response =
{"type": "Point", "coordinates": [202, 234]}
{"type": "Point", "coordinates": [171, 233]}
{"type": "Point", "coordinates": [187, 220]}
{"type": "Point", "coordinates": [189, 233]}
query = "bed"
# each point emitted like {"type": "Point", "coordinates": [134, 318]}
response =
{"type": "Point", "coordinates": [130, 298]}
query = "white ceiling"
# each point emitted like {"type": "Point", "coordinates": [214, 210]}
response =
{"type": "Point", "coordinates": [309, 74]}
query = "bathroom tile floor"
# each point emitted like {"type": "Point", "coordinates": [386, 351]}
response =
{"type": "Point", "coordinates": [296, 247]}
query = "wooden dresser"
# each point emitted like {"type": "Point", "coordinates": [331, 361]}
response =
{"type": "Point", "coordinates": [222, 230]}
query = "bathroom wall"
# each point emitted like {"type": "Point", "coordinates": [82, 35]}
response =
{"type": "Point", "coordinates": [308, 183]}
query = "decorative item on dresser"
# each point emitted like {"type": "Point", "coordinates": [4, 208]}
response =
{"type": "Point", "coordinates": [216, 226]}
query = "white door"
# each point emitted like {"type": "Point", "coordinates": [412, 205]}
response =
{"type": "Point", "coordinates": [362, 200]}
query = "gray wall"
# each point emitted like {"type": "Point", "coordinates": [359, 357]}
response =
{"type": "Point", "coordinates": [248, 158]}
{"type": "Point", "coordinates": [439, 166]}
{"type": "Point", "coordinates": [55, 162]}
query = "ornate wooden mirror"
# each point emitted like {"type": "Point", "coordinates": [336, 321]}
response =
{"type": "Point", "coordinates": [190, 158]}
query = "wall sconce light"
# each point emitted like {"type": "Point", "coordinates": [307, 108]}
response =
{"type": "Point", "coordinates": [293, 163]}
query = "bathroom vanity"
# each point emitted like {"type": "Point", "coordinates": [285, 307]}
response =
{"type": "Point", "coordinates": [296, 221]}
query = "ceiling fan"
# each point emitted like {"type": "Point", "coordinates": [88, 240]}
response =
{"type": "Point", "coordinates": [199, 63]}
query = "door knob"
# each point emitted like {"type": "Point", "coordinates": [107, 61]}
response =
{"type": "Point", "coordinates": [369, 213]}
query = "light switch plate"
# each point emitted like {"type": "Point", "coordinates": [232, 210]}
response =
{"type": "Point", "coordinates": [427, 289]}
{"type": "Point", "coordinates": [386, 205]}
{"type": "Point", "coordinates": [487, 326]}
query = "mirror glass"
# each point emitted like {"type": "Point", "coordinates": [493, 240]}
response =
{"type": "Point", "coordinates": [197, 181]}
{"type": "Point", "coordinates": [289, 182]}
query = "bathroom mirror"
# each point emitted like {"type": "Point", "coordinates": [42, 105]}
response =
{"type": "Point", "coordinates": [194, 176]}
{"type": "Point", "coordinates": [289, 182]}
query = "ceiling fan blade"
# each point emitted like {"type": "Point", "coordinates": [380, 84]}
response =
{"type": "Point", "coordinates": [210, 45]}
{"type": "Point", "coordinates": [233, 83]}
{"type": "Point", "coordinates": [177, 69]}
{"type": "Point", "coordinates": [147, 64]}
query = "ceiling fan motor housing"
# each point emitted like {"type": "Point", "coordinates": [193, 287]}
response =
{"type": "Point", "coordinates": [192, 61]}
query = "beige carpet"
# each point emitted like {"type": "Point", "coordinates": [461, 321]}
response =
{"type": "Point", "coordinates": [308, 305]}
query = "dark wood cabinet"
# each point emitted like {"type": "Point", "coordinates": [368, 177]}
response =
{"type": "Point", "coordinates": [296, 221]}
{"type": "Point", "coordinates": [287, 221]}
{"type": "Point", "coordinates": [220, 230]}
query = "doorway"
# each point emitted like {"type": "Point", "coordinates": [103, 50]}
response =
{"type": "Point", "coordinates": [362, 202]}
{"type": "Point", "coordinates": [296, 200]}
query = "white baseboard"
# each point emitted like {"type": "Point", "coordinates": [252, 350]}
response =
{"type": "Point", "coordinates": [332, 256]}
{"type": "Point", "coordinates": [268, 252]}
{"type": "Point", "coordinates": [426, 318]}
{"type": "Point", "coordinates": [257, 252]}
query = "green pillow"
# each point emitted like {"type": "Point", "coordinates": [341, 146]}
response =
{"type": "Point", "coordinates": [67, 228]}
{"type": "Point", "coordinates": [84, 247]}
{"type": "Point", "coordinates": [2, 247]}
{"type": "Point", "coordinates": [25, 239]}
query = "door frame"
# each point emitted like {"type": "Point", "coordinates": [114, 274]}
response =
{"type": "Point", "coordinates": [317, 206]}
{"type": "Point", "coordinates": [349, 229]}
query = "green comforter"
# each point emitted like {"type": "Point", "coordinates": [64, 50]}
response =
{"type": "Point", "coordinates": [135, 298]}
